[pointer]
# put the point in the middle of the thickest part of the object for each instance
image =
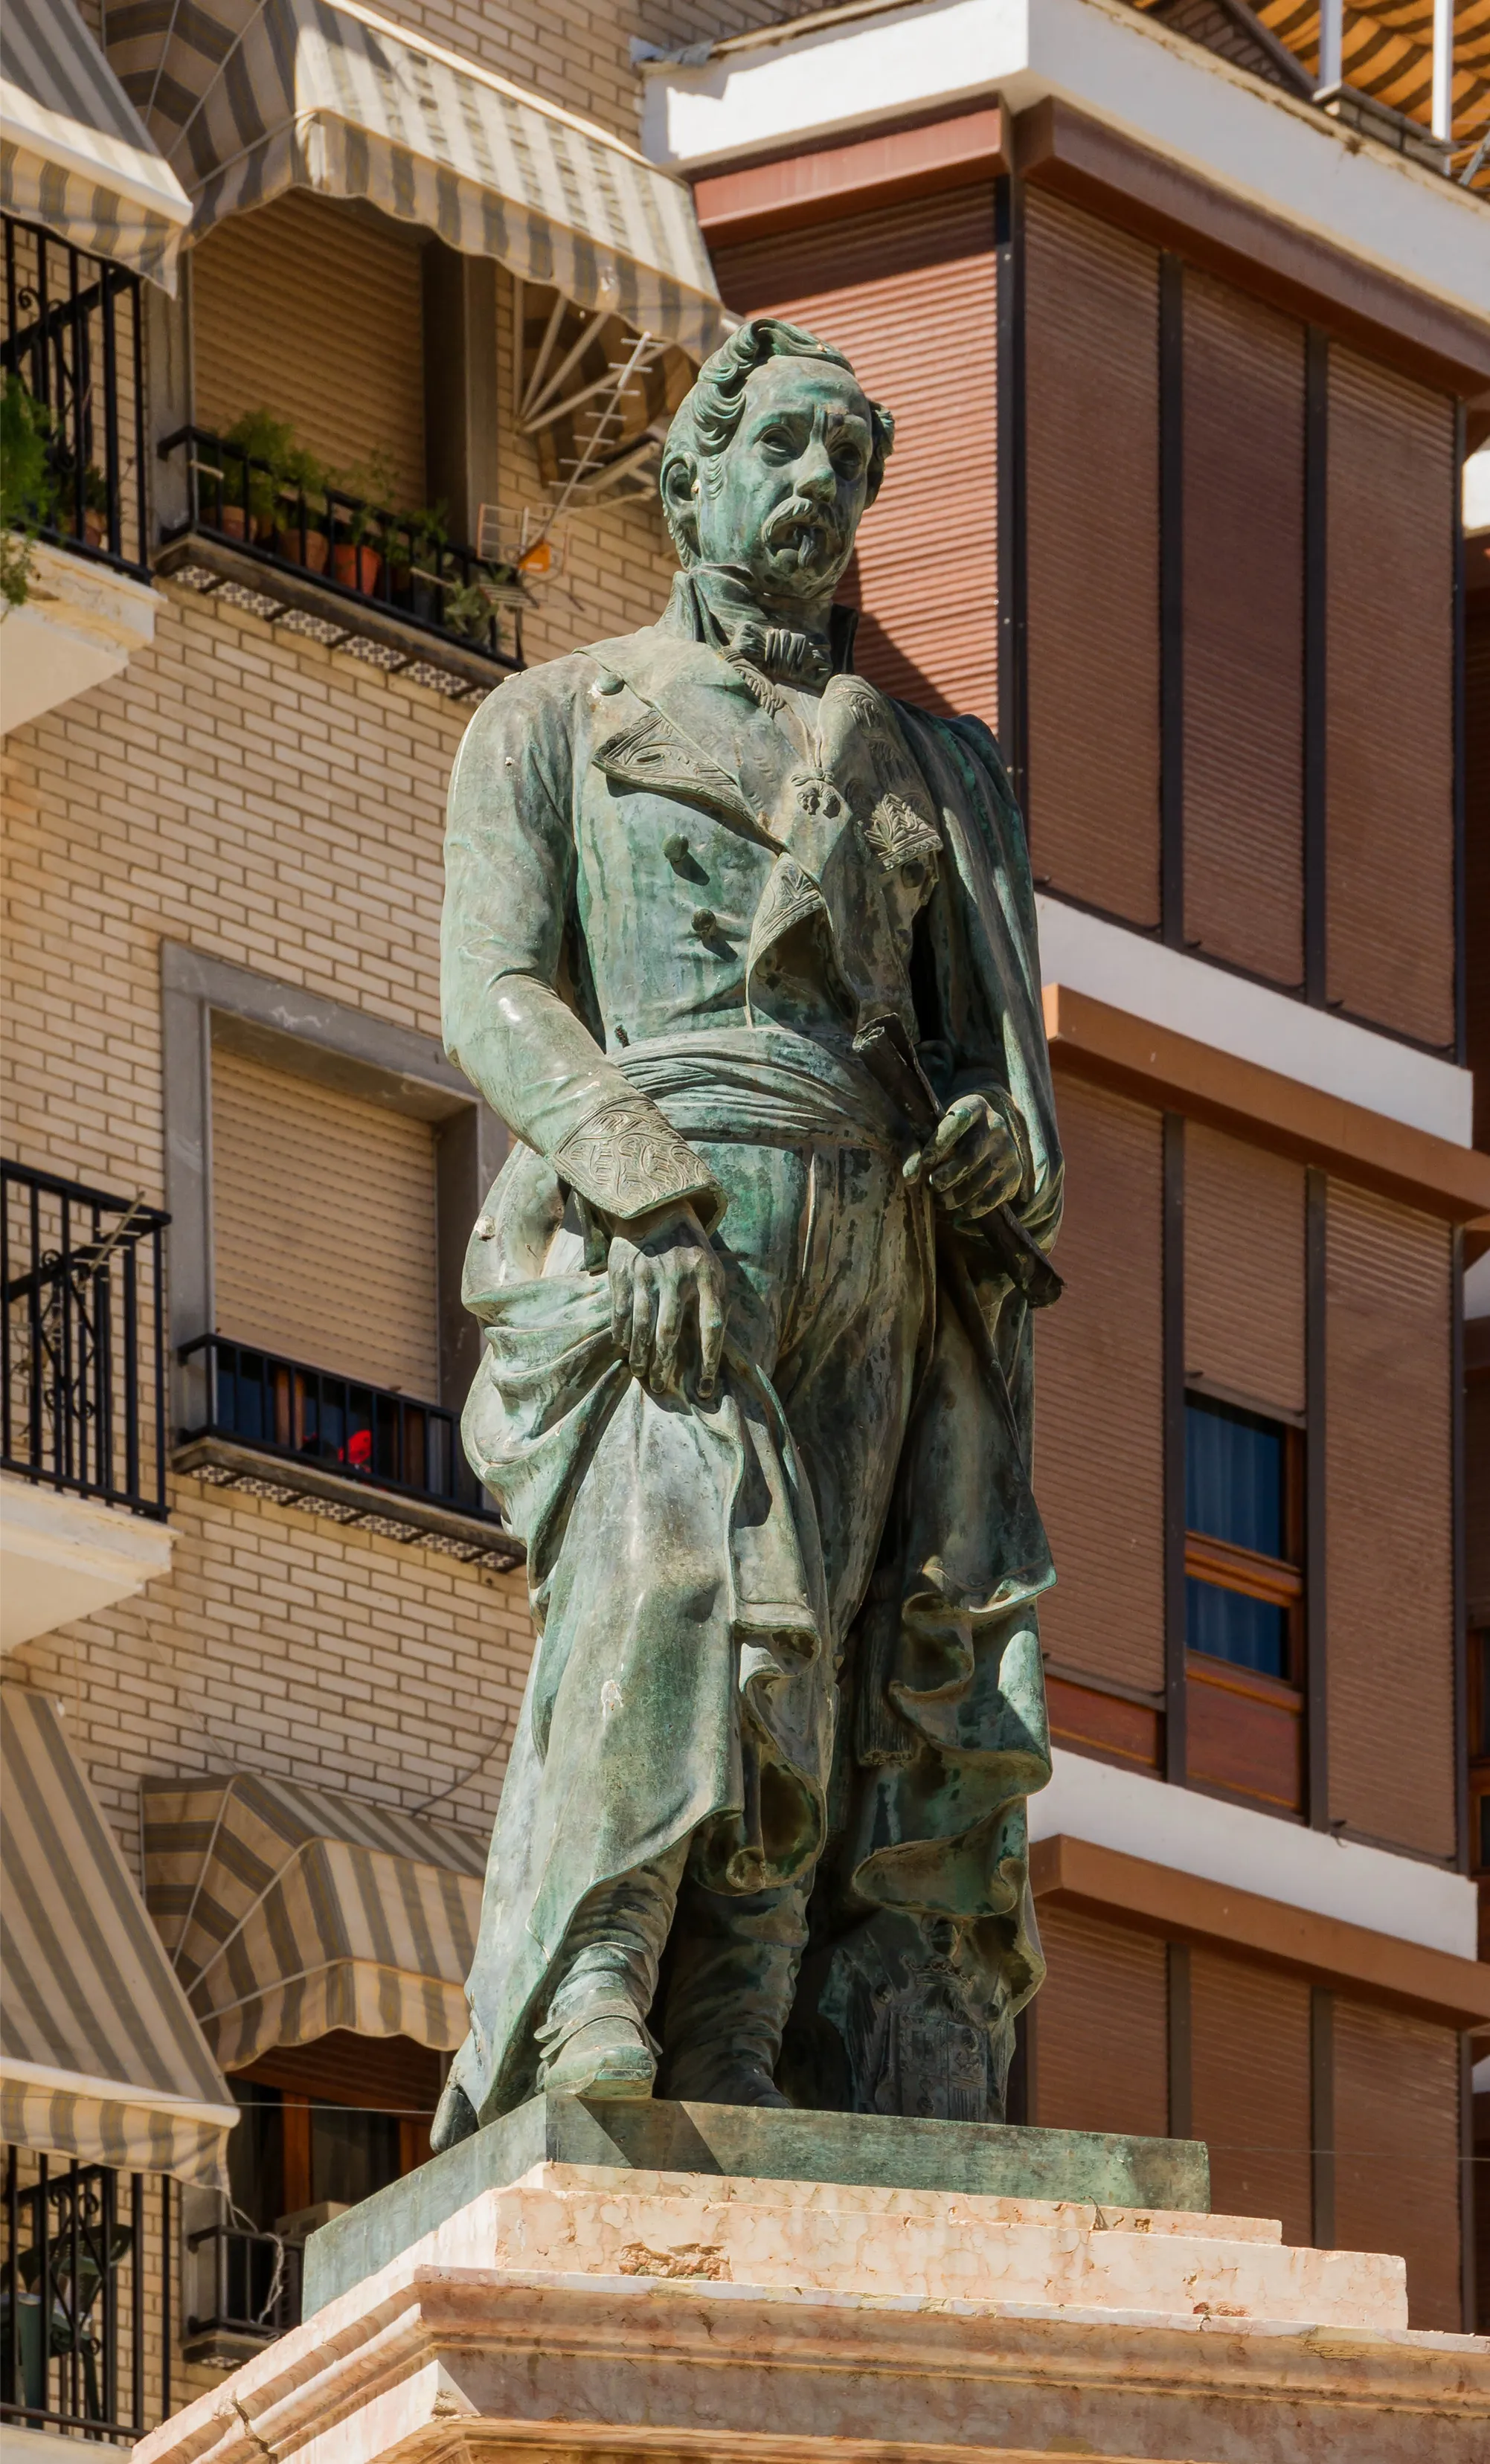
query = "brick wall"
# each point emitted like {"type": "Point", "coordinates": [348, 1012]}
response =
{"type": "Point", "coordinates": [579, 56]}
{"type": "Point", "coordinates": [283, 1643]}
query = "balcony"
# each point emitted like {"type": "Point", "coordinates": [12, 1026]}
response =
{"type": "Point", "coordinates": [75, 569]}
{"type": "Point", "coordinates": [337, 1446]}
{"type": "Point", "coordinates": [82, 1400]}
{"type": "Point", "coordinates": [79, 2281]}
{"type": "Point", "coordinates": [306, 556]}
{"type": "Point", "coordinates": [243, 2291]}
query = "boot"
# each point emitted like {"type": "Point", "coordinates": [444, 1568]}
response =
{"type": "Point", "coordinates": [594, 2037]}
{"type": "Point", "coordinates": [734, 1966]}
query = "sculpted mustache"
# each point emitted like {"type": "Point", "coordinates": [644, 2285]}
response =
{"type": "Point", "coordinates": [799, 513]}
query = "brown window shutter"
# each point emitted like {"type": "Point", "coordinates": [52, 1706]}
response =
{"type": "Point", "coordinates": [1092, 460]}
{"type": "Point", "coordinates": [313, 311]}
{"type": "Point", "coordinates": [1243, 1271]}
{"type": "Point", "coordinates": [1389, 753]}
{"type": "Point", "coordinates": [1243, 533]}
{"type": "Point", "coordinates": [1476, 857]}
{"type": "Point", "coordinates": [1476, 1504]}
{"type": "Point", "coordinates": [1390, 1588]}
{"type": "Point", "coordinates": [1099, 1452]}
{"type": "Point", "coordinates": [1250, 2095]}
{"type": "Point", "coordinates": [1102, 2021]}
{"type": "Point", "coordinates": [1397, 2150]}
{"type": "Point", "coordinates": [383, 2073]}
{"type": "Point", "coordinates": [323, 1227]}
{"type": "Point", "coordinates": [907, 293]}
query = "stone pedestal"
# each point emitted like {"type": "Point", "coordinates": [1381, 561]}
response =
{"type": "Point", "coordinates": [611, 2310]}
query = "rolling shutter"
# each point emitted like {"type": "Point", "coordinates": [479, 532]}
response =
{"type": "Point", "coordinates": [1102, 2021]}
{"type": "Point", "coordinates": [312, 311]}
{"type": "Point", "coordinates": [907, 293]}
{"type": "Point", "coordinates": [1244, 1278]}
{"type": "Point", "coordinates": [1250, 2088]}
{"type": "Point", "coordinates": [1098, 1436]}
{"type": "Point", "coordinates": [1243, 547]}
{"type": "Point", "coordinates": [1092, 462]}
{"type": "Point", "coordinates": [1397, 2150]}
{"type": "Point", "coordinates": [323, 1227]}
{"type": "Point", "coordinates": [1477, 851]}
{"type": "Point", "coordinates": [1390, 1549]}
{"type": "Point", "coordinates": [1389, 755]}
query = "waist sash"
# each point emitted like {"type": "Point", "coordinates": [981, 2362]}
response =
{"type": "Point", "coordinates": [767, 1085]}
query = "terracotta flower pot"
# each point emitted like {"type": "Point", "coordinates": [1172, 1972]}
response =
{"type": "Point", "coordinates": [236, 524]}
{"type": "Point", "coordinates": [356, 568]}
{"type": "Point", "coordinates": [95, 527]}
{"type": "Point", "coordinates": [309, 549]}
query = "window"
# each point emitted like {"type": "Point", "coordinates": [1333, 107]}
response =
{"type": "Point", "coordinates": [1478, 1657]}
{"type": "Point", "coordinates": [323, 2126]}
{"type": "Point", "coordinates": [1243, 1589]}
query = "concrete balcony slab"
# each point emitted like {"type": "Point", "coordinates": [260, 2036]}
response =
{"type": "Point", "coordinates": [65, 1557]}
{"type": "Point", "coordinates": [79, 624]}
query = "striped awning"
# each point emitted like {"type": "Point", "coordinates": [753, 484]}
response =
{"type": "Point", "coordinates": [288, 1911]}
{"type": "Point", "coordinates": [73, 153]}
{"type": "Point", "coordinates": [1387, 50]}
{"type": "Point", "coordinates": [249, 98]}
{"type": "Point", "coordinates": [100, 2057]}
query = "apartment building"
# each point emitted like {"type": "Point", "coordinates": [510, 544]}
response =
{"type": "Point", "coordinates": [348, 337]}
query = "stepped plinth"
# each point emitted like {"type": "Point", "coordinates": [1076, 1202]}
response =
{"type": "Point", "coordinates": [555, 2290]}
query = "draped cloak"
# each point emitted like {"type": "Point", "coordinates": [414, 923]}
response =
{"type": "Point", "coordinates": [687, 1681]}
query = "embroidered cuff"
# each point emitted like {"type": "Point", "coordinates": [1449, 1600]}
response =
{"type": "Point", "coordinates": [627, 1158]}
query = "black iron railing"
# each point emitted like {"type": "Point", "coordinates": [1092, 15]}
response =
{"type": "Point", "coordinates": [359, 555]}
{"type": "Point", "coordinates": [367, 1433]}
{"type": "Point", "coordinates": [77, 2284]}
{"type": "Point", "coordinates": [82, 1357]}
{"type": "Point", "coordinates": [245, 2285]}
{"type": "Point", "coordinates": [73, 340]}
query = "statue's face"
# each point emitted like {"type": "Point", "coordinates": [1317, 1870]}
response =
{"type": "Point", "coordinates": [785, 497]}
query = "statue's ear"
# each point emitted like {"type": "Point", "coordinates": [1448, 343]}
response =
{"type": "Point", "coordinates": [680, 501]}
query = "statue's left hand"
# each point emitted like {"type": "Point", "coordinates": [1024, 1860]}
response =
{"type": "Point", "coordinates": [972, 1159]}
{"type": "Point", "coordinates": [667, 1297]}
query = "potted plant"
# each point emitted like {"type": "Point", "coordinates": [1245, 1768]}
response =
{"type": "Point", "coordinates": [471, 606]}
{"type": "Point", "coordinates": [355, 562]}
{"type": "Point", "coordinates": [96, 506]}
{"type": "Point", "coordinates": [256, 450]}
{"type": "Point", "coordinates": [417, 560]}
{"type": "Point", "coordinates": [302, 533]}
{"type": "Point", "coordinates": [27, 484]}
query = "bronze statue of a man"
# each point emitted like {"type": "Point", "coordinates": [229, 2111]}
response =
{"type": "Point", "coordinates": [745, 955]}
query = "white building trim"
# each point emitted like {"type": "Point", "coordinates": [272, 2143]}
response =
{"type": "Point", "coordinates": [1252, 1023]}
{"type": "Point", "coordinates": [1256, 1852]}
{"type": "Point", "coordinates": [804, 83]}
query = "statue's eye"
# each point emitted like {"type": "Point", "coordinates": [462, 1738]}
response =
{"type": "Point", "coordinates": [776, 441]}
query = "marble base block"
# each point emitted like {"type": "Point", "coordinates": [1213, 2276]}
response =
{"type": "Point", "coordinates": [586, 2314]}
{"type": "Point", "coordinates": [873, 2150]}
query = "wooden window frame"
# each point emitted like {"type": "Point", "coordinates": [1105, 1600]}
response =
{"type": "Point", "coordinates": [1247, 1731]}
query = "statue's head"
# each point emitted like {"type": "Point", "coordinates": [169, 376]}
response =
{"type": "Point", "coordinates": [771, 459]}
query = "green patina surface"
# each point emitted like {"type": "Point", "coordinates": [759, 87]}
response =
{"type": "Point", "coordinates": [744, 953]}
{"type": "Point", "coordinates": [880, 2150]}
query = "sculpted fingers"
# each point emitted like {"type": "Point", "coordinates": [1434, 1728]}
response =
{"type": "Point", "coordinates": [622, 1261]}
{"type": "Point", "coordinates": [644, 1304]}
{"type": "Point", "coordinates": [668, 1327]}
{"type": "Point", "coordinates": [711, 1324]}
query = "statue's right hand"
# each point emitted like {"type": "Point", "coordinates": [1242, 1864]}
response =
{"type": "Point", "coordinates": [667, 1297]}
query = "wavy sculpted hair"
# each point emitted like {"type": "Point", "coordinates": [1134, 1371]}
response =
{"type": "Point", "coordinates": [706, 418]}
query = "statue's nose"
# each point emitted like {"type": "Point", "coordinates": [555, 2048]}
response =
{"type": "Point", "coordinates": [815, 476]}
